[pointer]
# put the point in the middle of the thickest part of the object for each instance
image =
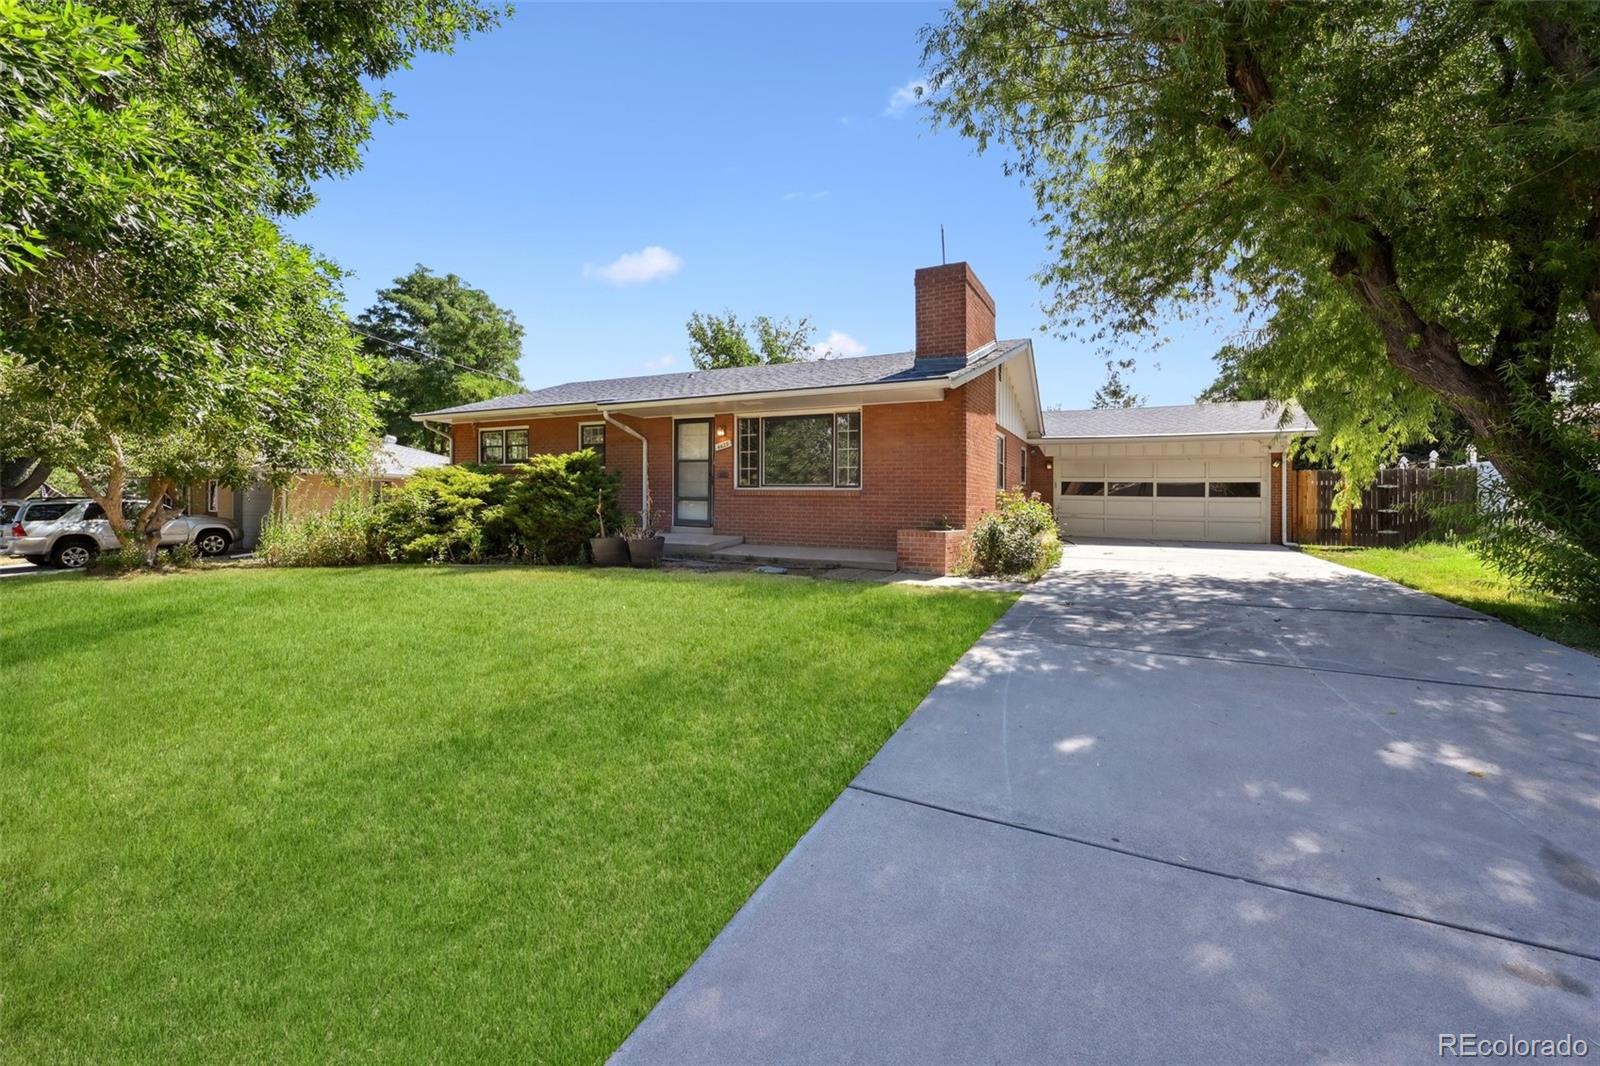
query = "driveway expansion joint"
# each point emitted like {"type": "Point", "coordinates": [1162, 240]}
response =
{"type": "Point", "coordinates": [1025, 634]}
{"type": "Point", "coordinates": [1226, 875]}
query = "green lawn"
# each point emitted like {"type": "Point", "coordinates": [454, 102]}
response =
{"type": "Point", "coordinates": [1453, 573]}
{"type": "Point", "coordinates": [404, 814]}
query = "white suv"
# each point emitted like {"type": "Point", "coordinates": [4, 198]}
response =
{"type": "Point", "coordinates": [69, 533]}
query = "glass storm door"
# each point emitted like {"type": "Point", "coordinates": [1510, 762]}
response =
{"type": "Point", "coordinates": [691, 482]}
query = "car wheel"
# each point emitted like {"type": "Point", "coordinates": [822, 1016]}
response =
{"type": "Point", "coordinates": [73, 554]}
{"type": "Point", "coordinates": [212, 542]}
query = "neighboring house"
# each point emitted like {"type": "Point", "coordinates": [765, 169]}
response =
{"type": "Point", "coordinates": [248, 506]}
{"type": "Point", "coordinates": [873, 452]}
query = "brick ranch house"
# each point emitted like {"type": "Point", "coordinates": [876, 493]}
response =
{"type": "Point", "coordinates": [874, 452]}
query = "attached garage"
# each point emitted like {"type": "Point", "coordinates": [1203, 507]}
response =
{"type": "Point", "coordinates": [1199, 472]}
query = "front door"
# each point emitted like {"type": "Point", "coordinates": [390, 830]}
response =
{"type": "Point", "coordinates": [691, 481]}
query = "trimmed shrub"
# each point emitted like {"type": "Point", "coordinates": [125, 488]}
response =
{"type": "Point", "coordinates": [551, 505]}
{"type": "Point", "coordinates": [1018, 538]}
{"type": "Point", "coordinates": [346, 535]}
{"type": "Point", "coordinates": [447, 514]}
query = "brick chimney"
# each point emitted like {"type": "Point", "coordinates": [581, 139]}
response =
{"type": "Point", "coordinates": [955, 313]}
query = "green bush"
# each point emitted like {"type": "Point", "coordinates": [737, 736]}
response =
{"type": "Point", "coordinates": [551, 505]}
{"type": "Point", "coordinates": [346, 535]}
{"type": "Point", "coordinates": [452, 514]}
{"type": "Point", "coordinates": [1018, 538]}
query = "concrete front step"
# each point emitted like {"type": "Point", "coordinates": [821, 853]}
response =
{"type": "Point", "coordinates": [805, 558]}
{"type": "Point", "coordinates": [683, 544]}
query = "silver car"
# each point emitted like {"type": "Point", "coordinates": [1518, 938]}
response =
{"type": "Point", "coordinates": [69, 533]}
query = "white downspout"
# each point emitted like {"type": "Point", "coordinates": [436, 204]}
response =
{"type": "Point", "coordinates": [448, 438]}
{"type": "Point", "coordinates": [644, 465]}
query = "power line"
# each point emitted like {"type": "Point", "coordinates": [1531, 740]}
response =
{"type": "Point", "coordinates": [435, 355]}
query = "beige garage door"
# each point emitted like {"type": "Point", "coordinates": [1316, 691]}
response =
{"type": "Point", "coordinates": [1189, 499]}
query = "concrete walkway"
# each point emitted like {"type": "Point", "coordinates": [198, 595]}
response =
{"type": "Point", "coordinates": [1189, 803]}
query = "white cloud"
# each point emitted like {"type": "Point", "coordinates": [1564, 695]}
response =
{"type": "Point", "coordinates": [906, 97]}
{"type": "Point", "coordinates": [660, 362]}
{"type": "Point", "coordinates": [820, 194]}
{"type": "Point", "coordinates": [839, 345]}
{"type": "Point", "coordinates": [631, 268]}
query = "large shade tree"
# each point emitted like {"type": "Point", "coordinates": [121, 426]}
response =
{"type": "Point", "coordinates": [435, 342]}
{"type": "Point", "coordinates": [1403, 198]}
{"type": "Point", "coordinates": [152, 320]}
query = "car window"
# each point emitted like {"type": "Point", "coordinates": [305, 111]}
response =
{"type": "Point", "coordinates": [93, 512]}
{"type": "Point", "coordinates": [131, 508]}
{"type": "Point", "coordinates": [48, 511]}
{"type": "Point", "coordinates": [8, 513]}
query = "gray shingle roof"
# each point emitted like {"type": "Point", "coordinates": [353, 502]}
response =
{"type": "Point", "coordinates": [396, 460]}
{"type": "Point", "coordinates": [1190, 419]}
{"type": "Point", "coordinates": [865, 370]}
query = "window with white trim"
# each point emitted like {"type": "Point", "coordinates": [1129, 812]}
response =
{"type": "Point", "coordinates": [815, 451]}
{"type": "Point", "coordinates": [1022, 475]}
{"type": "Point", "coordinates": [1000, 461]}
{"type": "Point", "coordinates": [592, 435]}
{"type": "Point", "coordinates": [501, 447]}
{"type": "Point", "coordinates": [211, 497]}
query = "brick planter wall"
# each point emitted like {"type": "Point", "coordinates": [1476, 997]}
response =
{"type": "Point", "coordinates": [928, 551]}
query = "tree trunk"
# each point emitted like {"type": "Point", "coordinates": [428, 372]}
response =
{"type": "Point", "coordinates": [20, 477]}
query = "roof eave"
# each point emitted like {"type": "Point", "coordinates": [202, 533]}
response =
{"type": "Point", "coordinates": [882, 391]}
{"type": "Point", "coordinates": [1260, 434]}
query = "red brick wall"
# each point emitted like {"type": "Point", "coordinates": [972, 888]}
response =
{"type": "Point", "coordinates": [920, 462]}
{"type": "Point", "coordinates": [1040, 475]}
{"type": "Point", "coordinates": [929, 551]}
{"type": "Point", "coordinates": [955, 313]}
{"type": "Point", "coordinates": [912, 474]}
{"type": "Point", "coordinates": [1275, 493]}
{"type": "Point", "coordinates": [555, 435]}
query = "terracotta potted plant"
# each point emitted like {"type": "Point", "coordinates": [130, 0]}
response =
{"type": "Point", "coordinates": [607, 551]}
{"type": "Point", "coordinates": [645, 545]}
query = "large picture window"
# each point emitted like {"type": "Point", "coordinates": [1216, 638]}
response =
{"type": "Point", "coordinates": [800, 451]}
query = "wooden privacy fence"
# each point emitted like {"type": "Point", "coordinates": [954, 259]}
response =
{"type": "Point", "coordinates": [1392, 510]}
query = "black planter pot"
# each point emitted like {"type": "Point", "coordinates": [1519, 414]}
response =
{"type": "Point", "coordinates": [646, 551]}
{"type": "Point", "coordinates": [609, 551]}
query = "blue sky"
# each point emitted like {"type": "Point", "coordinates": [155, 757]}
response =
{"type": "Point", "coordinates": [604, 170]}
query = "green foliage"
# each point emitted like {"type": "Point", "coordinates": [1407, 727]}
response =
{"type": "Point", "coordinates": [448, 344]}
{"type": "Point", "coordinates": [720, 341]}
{"type": "Point", "coordinates": [347, 534]}
{"type": "Point", "coordinates": [451, 514]}
{"type": "Point", "coordinates": [374, 794]}
{"type": "Point", "coordinates": [154, 323]}
{"type": "Point", "coordinates": [1403, 201]}
{"type": "Point", "coordinates": [1019, 538]}
{"type": "Point", "coordinates": [551, 503]}
{"type": "Point", "coordinates": [1117, 392]}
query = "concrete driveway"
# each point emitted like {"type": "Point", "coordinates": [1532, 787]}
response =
{"type": "Point", "coordinates": [1189, 803]}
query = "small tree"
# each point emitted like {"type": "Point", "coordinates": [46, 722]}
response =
{"type": "Point", "coordinates": [720, 341]}
{"type": "Point", "coordinates": [1116, 392]}
{"type": "Point", "coordinates": [436, 342]}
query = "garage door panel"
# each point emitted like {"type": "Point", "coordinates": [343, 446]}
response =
{"type": "Point", "coordinates": [1140, 528]}
{"type": "Point", "coordinates": [1181, 468]}
{"type": "Point", "coordinates": [1130, 470]}
{"type": "Point", "coordinates": [1175, 529]}
{"type": "Point", "coordinates": [1240, 469]}
{"type": "Point", "coordinates": [1180, 508]}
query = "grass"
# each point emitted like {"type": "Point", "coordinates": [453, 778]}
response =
{"type": "Point", "coordinates": [1451, 572]}
{"type": "Point", "coordinates": [444, 814]}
